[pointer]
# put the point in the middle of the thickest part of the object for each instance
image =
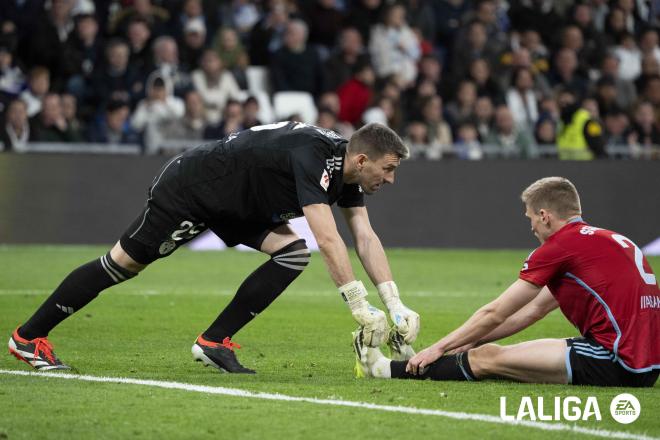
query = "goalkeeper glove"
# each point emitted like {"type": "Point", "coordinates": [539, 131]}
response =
{"type": "Point", "coordinates": [372, 320]}
{"type": "Point", "coordinates": [405, 320]}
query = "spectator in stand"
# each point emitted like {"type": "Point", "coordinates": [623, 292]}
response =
{"type": "Point", "coordinates": [420, 15]}
{"type": "Point", "coordinates": [70, 112]}
{"type": "Point", "coordinates": [593, 47]}
{"type": "Point", "coordinates": [82, 53]}
{"type": "Point", "coordinates": [484, 112]}
{"type": "Point", "coordinates": [192, 44]}
{"type": "Point", "coordinates": [509, 138]}
{"type": "Point", "coordinates": [233, 55]}
{"type": "Point", "coordinates": [191, 126]}
{"type": "Point", "coordinates": [521, 99]}
{"type": "Point", "coordinates": [394, 48]}
{"type": "Point", "coordinates": [44, 46]}
{"type": "Point", "coordinates": [648, 43]}
{"type": "Point", "coordinates": [651, 91]}
{"type": "Point", "coordinates": [615, 26]}
{"type": "Point", "coordinates": [168, 66]}
{"type": "Point", "coordinates": [267, 36]}
{"type": "Point", "coordinates": [241, 15]}
{"type": "Point", "coordinates": [536, 14]}
{"type": "Point", "coordinates": [38, 86]}
{"type": "Point", "coordinates": [626, 94]}
{"type": "Point", "coordinates": [325, 21]}
{"type": "Point", "coordinates": [650, 69]}
{"type": "Point", "coordinates": [462, 108]}
{"type": "Point", "coordinates": [419, 145]}
{"type": "Point", "coordinates": [341, 64]}
{"type": "Point", "coordinates": [15, 131]}
{"type": "Point", "coordinates": [469, 46]}
{"type": "Point", "coordinates": [12, 79]}
{"type": "Point", "coordinates": [191, 10]}
{"type": "Point", "coordinates": [364, 15]}
{"type": "Point", "coordinates": [251, 113]}
{"type": "Point", "coordinates": [616, 127]}
{"type": "Point", "coordinates": [159, 105]}
{"type": "Point", "coordinates": [565, 74]}
{"type": "Point", "coordinates": [50, 125]}
{"type": "Point", "coordinates": [606, 95]}
{"type": "Point", "coordinates": [116, 78]}
{"type": "Point", "coordinates": [155, 16]}
{"type": "Point", "coordinates": [381, 112]}
{"type": "Point", "coordinates": [545, 132]}
{"type": "Point", "coordinates": [644, 135]}
{"type": "Point", "coordinates": [215, 84]}
{"type": "Point", "coordinates": [438, 130]}
{"type": "Point", "coordinates": [113, 126]}
{"type": "Point", "coordinates": [138, 35]}
{"type": "Point", "coordinates": [467, 144]}
{"type": "Point", "coordinates": [448, 19]}
{"type": "Point", "coordinates": [537, 52]}
{"type": "Point", "coordinates": [630, 56]}
{"type": "Point", "coordinates": [296, 66]}
{"type": "Point", "coordinates": [480, 73]}
{"type": "Point", "coordinates": [232, 122]}
{"type": "Point", "coordinates": [355, 94]}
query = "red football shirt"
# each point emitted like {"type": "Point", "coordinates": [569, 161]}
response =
{"type": "Point", "coordinates": [605, 287]}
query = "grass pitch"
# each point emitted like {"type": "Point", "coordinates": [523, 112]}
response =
{"type": "Point", "coordinates": [300, 346]}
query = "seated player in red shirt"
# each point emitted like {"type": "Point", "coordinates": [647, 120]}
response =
{"type": "Point", "coordinates": [598, 278]}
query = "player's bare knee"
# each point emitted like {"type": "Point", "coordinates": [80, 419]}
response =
{"type": "Point", "coordinates": [483, 359]}
{"type": "Point", "coordinates": [294, 255]}
{"type": "Point", "coordinates": [125, 261]}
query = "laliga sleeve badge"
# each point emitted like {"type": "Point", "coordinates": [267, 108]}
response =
{"type": "Point", "coordinates": [166, 247]}
{"type": "Point", "coordinates": [325, 180]}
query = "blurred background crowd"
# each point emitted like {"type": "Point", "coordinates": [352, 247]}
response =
{"type": "Point", "coordinates": [456, 78]}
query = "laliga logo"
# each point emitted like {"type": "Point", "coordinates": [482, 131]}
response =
{"type": "Point", "coordinates": [625, 408]}
{"type": "Point", "coordinates": [569, 408]}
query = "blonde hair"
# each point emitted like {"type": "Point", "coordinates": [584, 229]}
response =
{"type": "Point", "coordinates": [556, 194]}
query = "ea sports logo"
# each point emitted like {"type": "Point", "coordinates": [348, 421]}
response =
{"type": "Point", "coordinates": [625, 408]}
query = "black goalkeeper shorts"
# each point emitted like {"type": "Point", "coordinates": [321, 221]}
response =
{"type": "Point", "coordinates": [166, 222]}
{"type": "Point", "coordinates": [589, 363]}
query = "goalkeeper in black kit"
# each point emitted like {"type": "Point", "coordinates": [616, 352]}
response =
{"type": "Point", "coordinates": [245, 188]}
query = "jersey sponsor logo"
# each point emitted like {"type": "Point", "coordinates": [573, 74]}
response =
{"type": "Point", "coordinates": [649, 302]}
{"type": "Point", "coordinates": [325, 180]}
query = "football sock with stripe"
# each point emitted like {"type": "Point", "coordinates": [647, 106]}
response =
{"type": "Point", "coordinates": [451, 367]}
{"type": "Point", "coordinates": [79, 288]}
{"type": "Point", "coordinates": [260, 289]}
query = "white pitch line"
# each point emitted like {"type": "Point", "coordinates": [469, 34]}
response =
{"type": "Point", "coordinates": [235, 392]}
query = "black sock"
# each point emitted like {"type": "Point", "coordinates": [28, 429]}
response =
{"type": "Point", "coordinates": [452, 367]}
{"type": "Point", "coordinates": [259, 290]}
{"type": "Point", "coordinates": [78, 288]}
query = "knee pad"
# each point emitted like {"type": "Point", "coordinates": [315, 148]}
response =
{"type": "Point", "coordinates": [294, 256]}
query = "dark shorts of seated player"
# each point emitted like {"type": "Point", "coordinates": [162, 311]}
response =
{"type": "Point", "coordinates": [166, 223]}
{"type": "Point", "coordinates": [589, 363]}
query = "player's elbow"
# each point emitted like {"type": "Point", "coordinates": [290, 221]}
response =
{"type": "Point", "coordinates": [491, 316]}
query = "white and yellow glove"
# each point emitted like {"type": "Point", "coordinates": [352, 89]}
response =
{"type": "Point", "coordinates": [405, 320]}
{"type": "Point", "coordinates": [372, 320]}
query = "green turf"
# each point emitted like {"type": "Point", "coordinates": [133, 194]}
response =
{"type": "Point", "coordinates": [300, 346]}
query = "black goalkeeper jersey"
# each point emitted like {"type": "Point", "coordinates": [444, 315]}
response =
{"type": "Point", "coordinates": [267, 174]}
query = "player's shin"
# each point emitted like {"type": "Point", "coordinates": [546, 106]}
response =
{"type": "Point", "coordinates": [260, 289]}
{"type": "Point", "coordinates": [79, 288]}
{"type": "Point", "coordinates": [451, 367]}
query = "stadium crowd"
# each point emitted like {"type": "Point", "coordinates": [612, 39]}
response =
{"type": "Point", "coordinates": [456, 78]}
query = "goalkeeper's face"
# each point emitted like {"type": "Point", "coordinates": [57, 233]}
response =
{"type": "Point", "coordinates": [373, 174]}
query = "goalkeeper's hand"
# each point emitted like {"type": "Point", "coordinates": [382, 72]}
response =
{"type": "Point", "coordinates": [372, 320]}
{"type": "Point", "coordinates": [405, 320]}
